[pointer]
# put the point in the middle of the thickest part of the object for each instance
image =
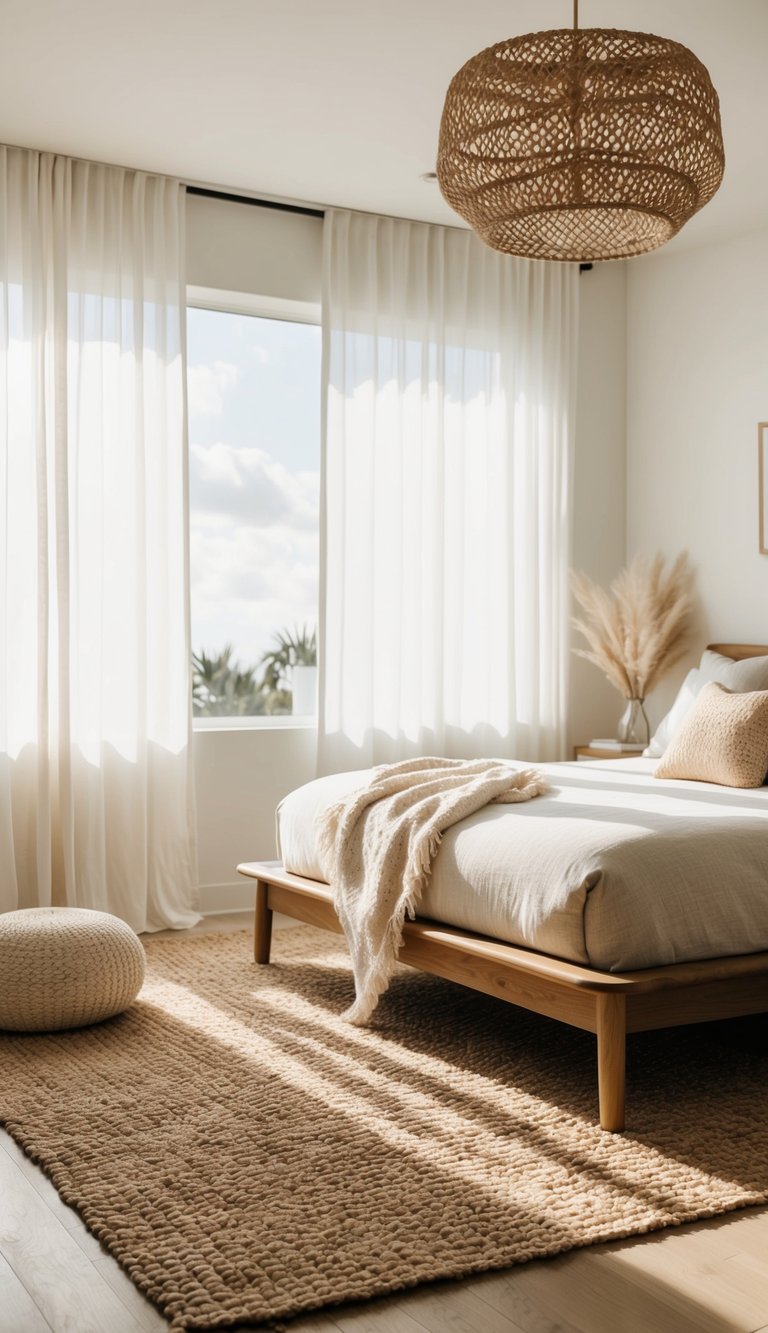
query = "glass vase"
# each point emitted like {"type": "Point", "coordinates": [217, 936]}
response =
{"type": "Point", "coordinates": [633, 728]}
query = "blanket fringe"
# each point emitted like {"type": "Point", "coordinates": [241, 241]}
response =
{"type": "Point", "coordinates": [416, 876]}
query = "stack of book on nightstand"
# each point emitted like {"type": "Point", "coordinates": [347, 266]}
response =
{"type": "Point", "coordinates": [621, 747]}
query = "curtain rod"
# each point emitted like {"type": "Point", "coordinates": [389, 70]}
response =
{"type": "Point", "coordinates": [202, 193]}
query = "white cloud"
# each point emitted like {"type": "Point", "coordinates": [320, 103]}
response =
{"type": "Point", "coordinates": [248, 583]}
{"type": "Point", "coordinates": [250, 486]}
{"type": "Point", "coordinates": [207, 386]}
{"type": "Point", "coordinates": [254, 548]}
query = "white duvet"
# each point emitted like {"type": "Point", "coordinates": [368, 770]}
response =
{"type": "Point", "coordinates": [613, 868]}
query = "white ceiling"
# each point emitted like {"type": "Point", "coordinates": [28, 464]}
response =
{"type": "Point", "coordinates": [331, 101]}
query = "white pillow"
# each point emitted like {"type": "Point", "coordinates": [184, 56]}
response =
{"type": "Point", "coordinates": [739, 677]}
{"type": "Point", "coordinates": [686, 697]}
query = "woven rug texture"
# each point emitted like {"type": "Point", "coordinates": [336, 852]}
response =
{"type": "Point", "coordinates": [246, 1155]}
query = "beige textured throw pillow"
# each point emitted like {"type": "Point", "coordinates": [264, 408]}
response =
{"type": "Point", "coordinates": [723, 739]}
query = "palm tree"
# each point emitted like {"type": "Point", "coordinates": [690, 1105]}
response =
{"type": "Point", "coordinates": [221, 688]}
{"type": "Point", "coordinates": [292, 648]}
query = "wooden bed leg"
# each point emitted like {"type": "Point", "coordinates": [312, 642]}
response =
{"type": "Point", "coordinates": [611, 1059]}
{"type": "Point", "coordinates": [262, 923]}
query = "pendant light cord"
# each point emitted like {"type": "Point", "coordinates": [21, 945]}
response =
{"type": "Point", "coordinates": [575, 15]}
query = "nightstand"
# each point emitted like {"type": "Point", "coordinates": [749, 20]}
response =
{"type": "Point", "coordinates": [588, 752]}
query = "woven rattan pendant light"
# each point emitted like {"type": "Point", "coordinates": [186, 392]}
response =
{"type": "Point", "coordinates": [580, 144]}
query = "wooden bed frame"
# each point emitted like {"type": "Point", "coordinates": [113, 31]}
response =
{"type": "Point", "coordinates": [610, 1004]}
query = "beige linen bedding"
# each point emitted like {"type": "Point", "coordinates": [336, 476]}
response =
{"type": "Point", "coordinates": [613, 868]}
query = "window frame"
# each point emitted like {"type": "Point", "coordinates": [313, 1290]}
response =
{"type": "Point", "coordinates": [249, 303]}
{"type": "Point", "coordinates": [259, 307]}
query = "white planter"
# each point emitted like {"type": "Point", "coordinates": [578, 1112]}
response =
{"type": "Point", "coordinates": [304, 690]}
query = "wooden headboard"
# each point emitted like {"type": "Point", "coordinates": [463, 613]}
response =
{"type": "Point", "coordinates": [738, 651]}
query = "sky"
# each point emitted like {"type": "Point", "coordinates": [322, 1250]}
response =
{"type": "Point", "coordinates": [254, 440]}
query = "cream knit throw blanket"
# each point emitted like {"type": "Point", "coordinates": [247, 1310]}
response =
{"type": "Point", "coordinates": [377, 845]}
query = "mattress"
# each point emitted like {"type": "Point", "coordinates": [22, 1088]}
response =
{"type": "Point", "coordinates": [614, 868]}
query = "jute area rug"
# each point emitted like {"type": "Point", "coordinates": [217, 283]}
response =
{"type": "Point", "coordinates": [247, 1156]}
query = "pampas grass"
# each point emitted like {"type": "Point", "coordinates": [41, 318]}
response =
{"type": "Point", "coordinates": [638, 628]}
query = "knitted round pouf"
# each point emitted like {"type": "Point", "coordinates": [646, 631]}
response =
{"type": "Point", "coordinates": [65, 967]}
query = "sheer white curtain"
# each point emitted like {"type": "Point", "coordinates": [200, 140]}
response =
{"type": "Point", "coordinates": [96, 797]}
{"type": "Point", "coordinates": [449, 372]}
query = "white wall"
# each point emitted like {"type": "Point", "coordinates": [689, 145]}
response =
{"type": "Point", "coordinates": [240, 777]}
{"type": "Point", "coordinates": [697, 385]}
{"type": "Point", "coordinates": [242, 774]}
{"type": "Point", "coordinates": [243, 248]}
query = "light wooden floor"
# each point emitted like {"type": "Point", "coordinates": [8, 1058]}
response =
{"type": "Point", "coordinates": [711, 1277]}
